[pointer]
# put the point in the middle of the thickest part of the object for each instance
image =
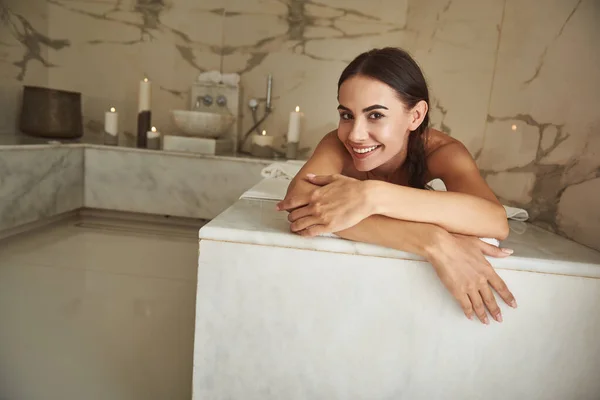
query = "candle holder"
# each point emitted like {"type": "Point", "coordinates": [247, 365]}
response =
{"type": "Point", "coordinates": [143, 126]}
{"type": "Point", "coordinates": [291, 150]}
{"type": "Point", "coordinates": [261, 151]}
{"type": "Point", "coordinates": [153, 139]}
{"type": "Point", "coordinates": [262, 145]}
{"type": "Point", "coordinates": [110, 139]}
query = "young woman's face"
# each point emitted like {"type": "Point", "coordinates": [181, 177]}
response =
{"type": "Point", "coordinates": [374, 124]}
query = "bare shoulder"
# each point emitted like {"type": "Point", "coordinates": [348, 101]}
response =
{"type": "Point", "coordinates": [446, 154]}
{"type": "Point", "coordinates": [449, 160]}
{"type": "Point", "coordinates": [437, 140]}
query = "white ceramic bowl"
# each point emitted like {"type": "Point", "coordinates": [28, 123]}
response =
{"type": "Point", "coordinates": [202, 124]}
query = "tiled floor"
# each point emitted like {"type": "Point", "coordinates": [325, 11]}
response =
{"type": "Point", "coordinates": [98, 308]}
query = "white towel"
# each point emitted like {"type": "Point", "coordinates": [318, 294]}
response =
{"type": "Point", "coordinates": [285, 171]}
{"type": "Point", "coordinates": [232, 79]}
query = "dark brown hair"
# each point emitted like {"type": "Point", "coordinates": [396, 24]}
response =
{"type": "Point", "coordinates": [396, 68]}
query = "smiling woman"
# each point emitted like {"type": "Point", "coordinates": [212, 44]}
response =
{"type": "Point", "coordinates": [366, 182]}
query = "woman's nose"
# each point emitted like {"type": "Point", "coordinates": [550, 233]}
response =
{"type": "Point", "coordinates": [358, 133]}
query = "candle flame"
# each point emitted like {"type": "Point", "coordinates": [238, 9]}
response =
{"type": "Point", "coordinates": [145, 79]}
{"type": "Point", "coordinates": [514, 127]}
{"type": "Point", "coordinates": [112, 109]}
{"type": "Point", "coordinates": [153, 129]}
{"type": "Point", "coordinates": [297, 108]}
{"type": "Point", "coordinates": [264, 133]}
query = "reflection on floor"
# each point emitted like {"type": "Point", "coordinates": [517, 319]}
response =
{"type": "Point", "coordinates": [99, 307]}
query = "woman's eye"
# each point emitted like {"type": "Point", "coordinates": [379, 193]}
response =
{"type": "Point", "coordinates": [376, 115]}
{"type": "Point", "coordinates": [345, 116]}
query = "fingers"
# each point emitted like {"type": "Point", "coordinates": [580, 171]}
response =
{"type": "Point", "coordinates": [494, 251]}
{"type": "Point", "coordinates": [314, 230]}
{"type": "Point", "coordinates": [478, 307]}
{"type": "Point", "coordinates": [490, 302]}
{"type": "Point", "coordinates": [293, 202]}
{"type": "Point", "coordinates": [299, 213]}
{"type": "Point", "coordinates": [320, 180]}
{"type": "Point", "coordinates": [304, 223]}
{"type": "Point", "coordinates": [466, 305]}
{"type": "Point", "coordinates": [500, 287]}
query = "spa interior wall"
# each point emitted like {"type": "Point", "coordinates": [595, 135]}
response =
{"type": "Point", "coordinates": [518, 86]}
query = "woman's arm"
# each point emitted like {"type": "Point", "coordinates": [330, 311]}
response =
{"type": "Point", "coordinates": [328, 158]}
{"type": "Point", "coordinates": [469, 207]}
{"type": "Point", "coordinates": [455, 212]}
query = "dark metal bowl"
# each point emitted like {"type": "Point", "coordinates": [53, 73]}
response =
{"type": "Point", "coordinates": [51, 113]}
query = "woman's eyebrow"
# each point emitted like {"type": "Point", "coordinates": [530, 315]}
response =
{"type": "Point", "coordinates": [370, 108]}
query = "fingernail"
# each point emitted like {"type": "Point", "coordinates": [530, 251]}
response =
{"type": "Point", "coordinates": [311, 175]}
{"type": "Point", "coordinates": [513, 304]}
{"type": "Point", "coordinates": [486, 321]}
{"type": "Point", "coordinates": [499, 317]}
{"type": "Point", "coordinates": [508, 251]}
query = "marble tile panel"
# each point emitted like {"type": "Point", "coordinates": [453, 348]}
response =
{"type": "Point", "coordinates": [300, 324]}
{"type": "Point", "coordinates": [163, 184]}
{"type": "Point", "coordinates": [39, 183]}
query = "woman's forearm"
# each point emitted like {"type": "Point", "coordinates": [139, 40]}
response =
{"type": "Point", "coordinates": [413, 237]}
{"type": "Point", "coordinates": [455, 212]}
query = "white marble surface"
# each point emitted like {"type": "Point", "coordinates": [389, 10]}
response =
{"type": "Point", "coordinates": [283, 323]}
{"type": "Point", "coordinates": [43, 180]}
{"type": "Point", "coordinates": [257, 222]}
{"type": "Point", "coordinates": [38, 182]}
{"type": "Point", "coordinates": [163, 183]}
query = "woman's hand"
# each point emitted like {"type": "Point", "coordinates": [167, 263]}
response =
{"type": "Point", "coordinates": [461, 266]}
{"type": "Point", "coordinates": [340, 203]}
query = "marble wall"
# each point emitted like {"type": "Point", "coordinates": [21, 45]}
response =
{"type": "Point", "coordinates": [39, 182]}
{"type": "Point", "coordinates": [516, 81]}
{"type": "Point", "coordinates": [24, 45]}
{"type": "Point", "coordinates": [165, 184]}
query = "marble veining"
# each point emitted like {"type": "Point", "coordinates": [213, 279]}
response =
{"type": "Point", "coordinates": [36, 183]}
{"type": "Point", "coordinates": [156, 183]}
{"type": "Point", "coordinates": [44, 180]}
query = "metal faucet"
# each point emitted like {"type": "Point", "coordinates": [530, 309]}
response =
{"type": "Point", "coordinates": [207, 100]}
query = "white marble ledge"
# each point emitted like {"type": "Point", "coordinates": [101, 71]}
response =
{"type": "Point", "coordinates": [36, 145]}
{"type": "Point", "coordinates": [257, 222]}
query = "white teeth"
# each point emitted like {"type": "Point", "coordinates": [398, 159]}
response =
{"type": "Point", "coordinates": [365, 150]}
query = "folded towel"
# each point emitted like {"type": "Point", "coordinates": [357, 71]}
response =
{"type": "Point", "coordinates": [268, 189]}
{"type": "Point", "coordinates": [516, 214]}
{"type": "Point", "coordinates": [232, 79]}
{"type": "Point", "coordinates": [285, 171]}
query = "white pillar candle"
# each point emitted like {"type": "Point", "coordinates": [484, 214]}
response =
{"type": "Point", "coordinates": [111, 122]}
{"type": "Point", "coordinates": [295, 125]}
{"type": "Point", "coordinates": [153, 133]}
{"type": "Point", "coordinates": [263, 140]}
{"type": "Point", "coordinates": [145, 95]}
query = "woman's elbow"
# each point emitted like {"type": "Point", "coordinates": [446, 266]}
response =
{"type": "Point", "coordinates": [501, 224]}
